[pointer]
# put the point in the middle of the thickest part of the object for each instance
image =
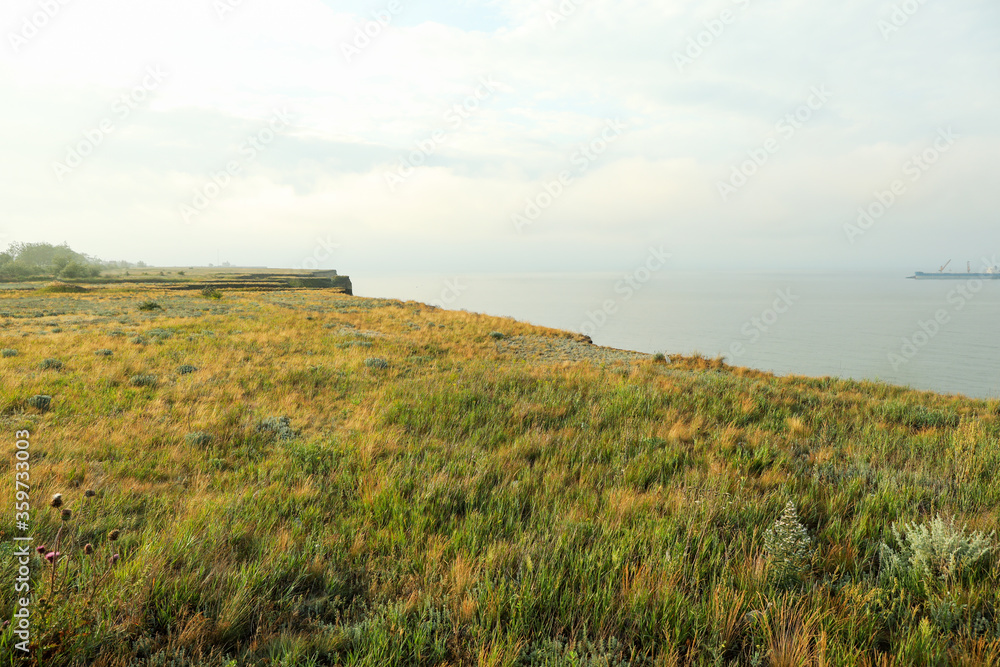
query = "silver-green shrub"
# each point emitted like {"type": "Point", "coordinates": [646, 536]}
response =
{"type": "Point", "coordinates": [788, 545]}
{"type": "Point", "coordinates": [143, 380]}
{"type": "Point", "coordinates": [938, 550]}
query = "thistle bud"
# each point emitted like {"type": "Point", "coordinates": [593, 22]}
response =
{"type": "Point", "coordinates": [90, 493]}
{"type": "Point", "coordinates": [88, 548]}
{"type": "Point", "coordinates": [113, 535]}
{"type": "Point", "coordinates": [56, 500]}
{"type": "Point", "coordinates": [67, 514]}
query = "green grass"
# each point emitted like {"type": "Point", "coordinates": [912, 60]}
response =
{"type": "Point", "coordinates": [292, 502]}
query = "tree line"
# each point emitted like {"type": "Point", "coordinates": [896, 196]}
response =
{"type": "Point", "coordinates": [33, 260]}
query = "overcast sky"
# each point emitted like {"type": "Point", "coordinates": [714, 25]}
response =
{"type": "Point", "coordinates": [508, 135]}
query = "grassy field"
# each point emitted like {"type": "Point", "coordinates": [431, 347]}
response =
{"type": "Point", "coordinates": [302, 477]}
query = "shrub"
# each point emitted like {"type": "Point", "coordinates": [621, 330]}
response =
{"type": "Point", "coordinates": [77, 269]}
{"type": "Point", "coordinates": [497, 335]}
{"type": "Point", "coordinates": [52, 365]}
{"type": "Point", "coordinates": [40, 402]}
{"type": "Point", "coordinates": [660, 358]}
{"type": "Point", "coordinates": [788, 545]}
{"type": "Point", "coordinates": [211, 293]}
{"type": "Point", "coordinates": [198, 439]}
{"type": "Point", "coordinates": [277, 427]}
{"type": "Point", "coordinates": [582, 653]}
{"type": "Point", "coordinates": [938, 550]}
{"type": "Point", "coordinates": [186, 369]}
{"type": "Point", "coordinates": [103, 353]}
{"type": "Point", "coordinates": [150, 306]}
{"type": "Point", "coordinates": [376, 363]}
{"type": "Point", "coordinates": [7, 352]}
{"type": "Point", "coordinates": [143, 380]}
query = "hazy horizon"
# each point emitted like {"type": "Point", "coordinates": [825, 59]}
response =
{"type": "Point", "coordinates": [510, 136]}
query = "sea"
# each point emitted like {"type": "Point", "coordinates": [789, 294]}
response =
{"type": "Point", "coordinates": [935, 335]}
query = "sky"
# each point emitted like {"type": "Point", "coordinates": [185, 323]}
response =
{"type": "Point", "coordinates": [503, 135]}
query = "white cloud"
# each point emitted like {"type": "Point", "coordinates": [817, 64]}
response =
{"type": "Point", "coordinates": [555, 87]}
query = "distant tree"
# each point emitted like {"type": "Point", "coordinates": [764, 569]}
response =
{"type": "Point", "coordinates": [75, 269]}
{"type": "Point", "coordinates": [26, 260]}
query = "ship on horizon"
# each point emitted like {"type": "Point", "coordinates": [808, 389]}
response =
{"type": "Point", "coordinates": [991, 273]}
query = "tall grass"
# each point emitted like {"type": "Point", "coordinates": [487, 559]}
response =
{"type": "Point", "coordinates": [293, 503]}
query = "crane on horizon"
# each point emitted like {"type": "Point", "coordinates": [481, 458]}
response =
{"type": "Point", "coordinates": [944, 266]}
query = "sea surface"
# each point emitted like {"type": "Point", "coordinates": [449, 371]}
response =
{"type": "Point", "coordinates": [941, 336]}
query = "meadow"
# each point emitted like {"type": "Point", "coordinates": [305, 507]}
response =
{"type": "Point", "coordinates": [302, 477]}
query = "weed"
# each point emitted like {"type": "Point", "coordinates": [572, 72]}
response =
{"type": "Point", "coordinates": [376, 363]}
{"type": "Point", "coordinates": [8, 352]}
{"type": "Point", "coordinates": [52, 365]}
{"type": "Point", "coordinates": [148, 306]}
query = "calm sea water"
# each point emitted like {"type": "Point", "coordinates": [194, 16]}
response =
{"type": "Point", "coordinates": [941, 336]}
